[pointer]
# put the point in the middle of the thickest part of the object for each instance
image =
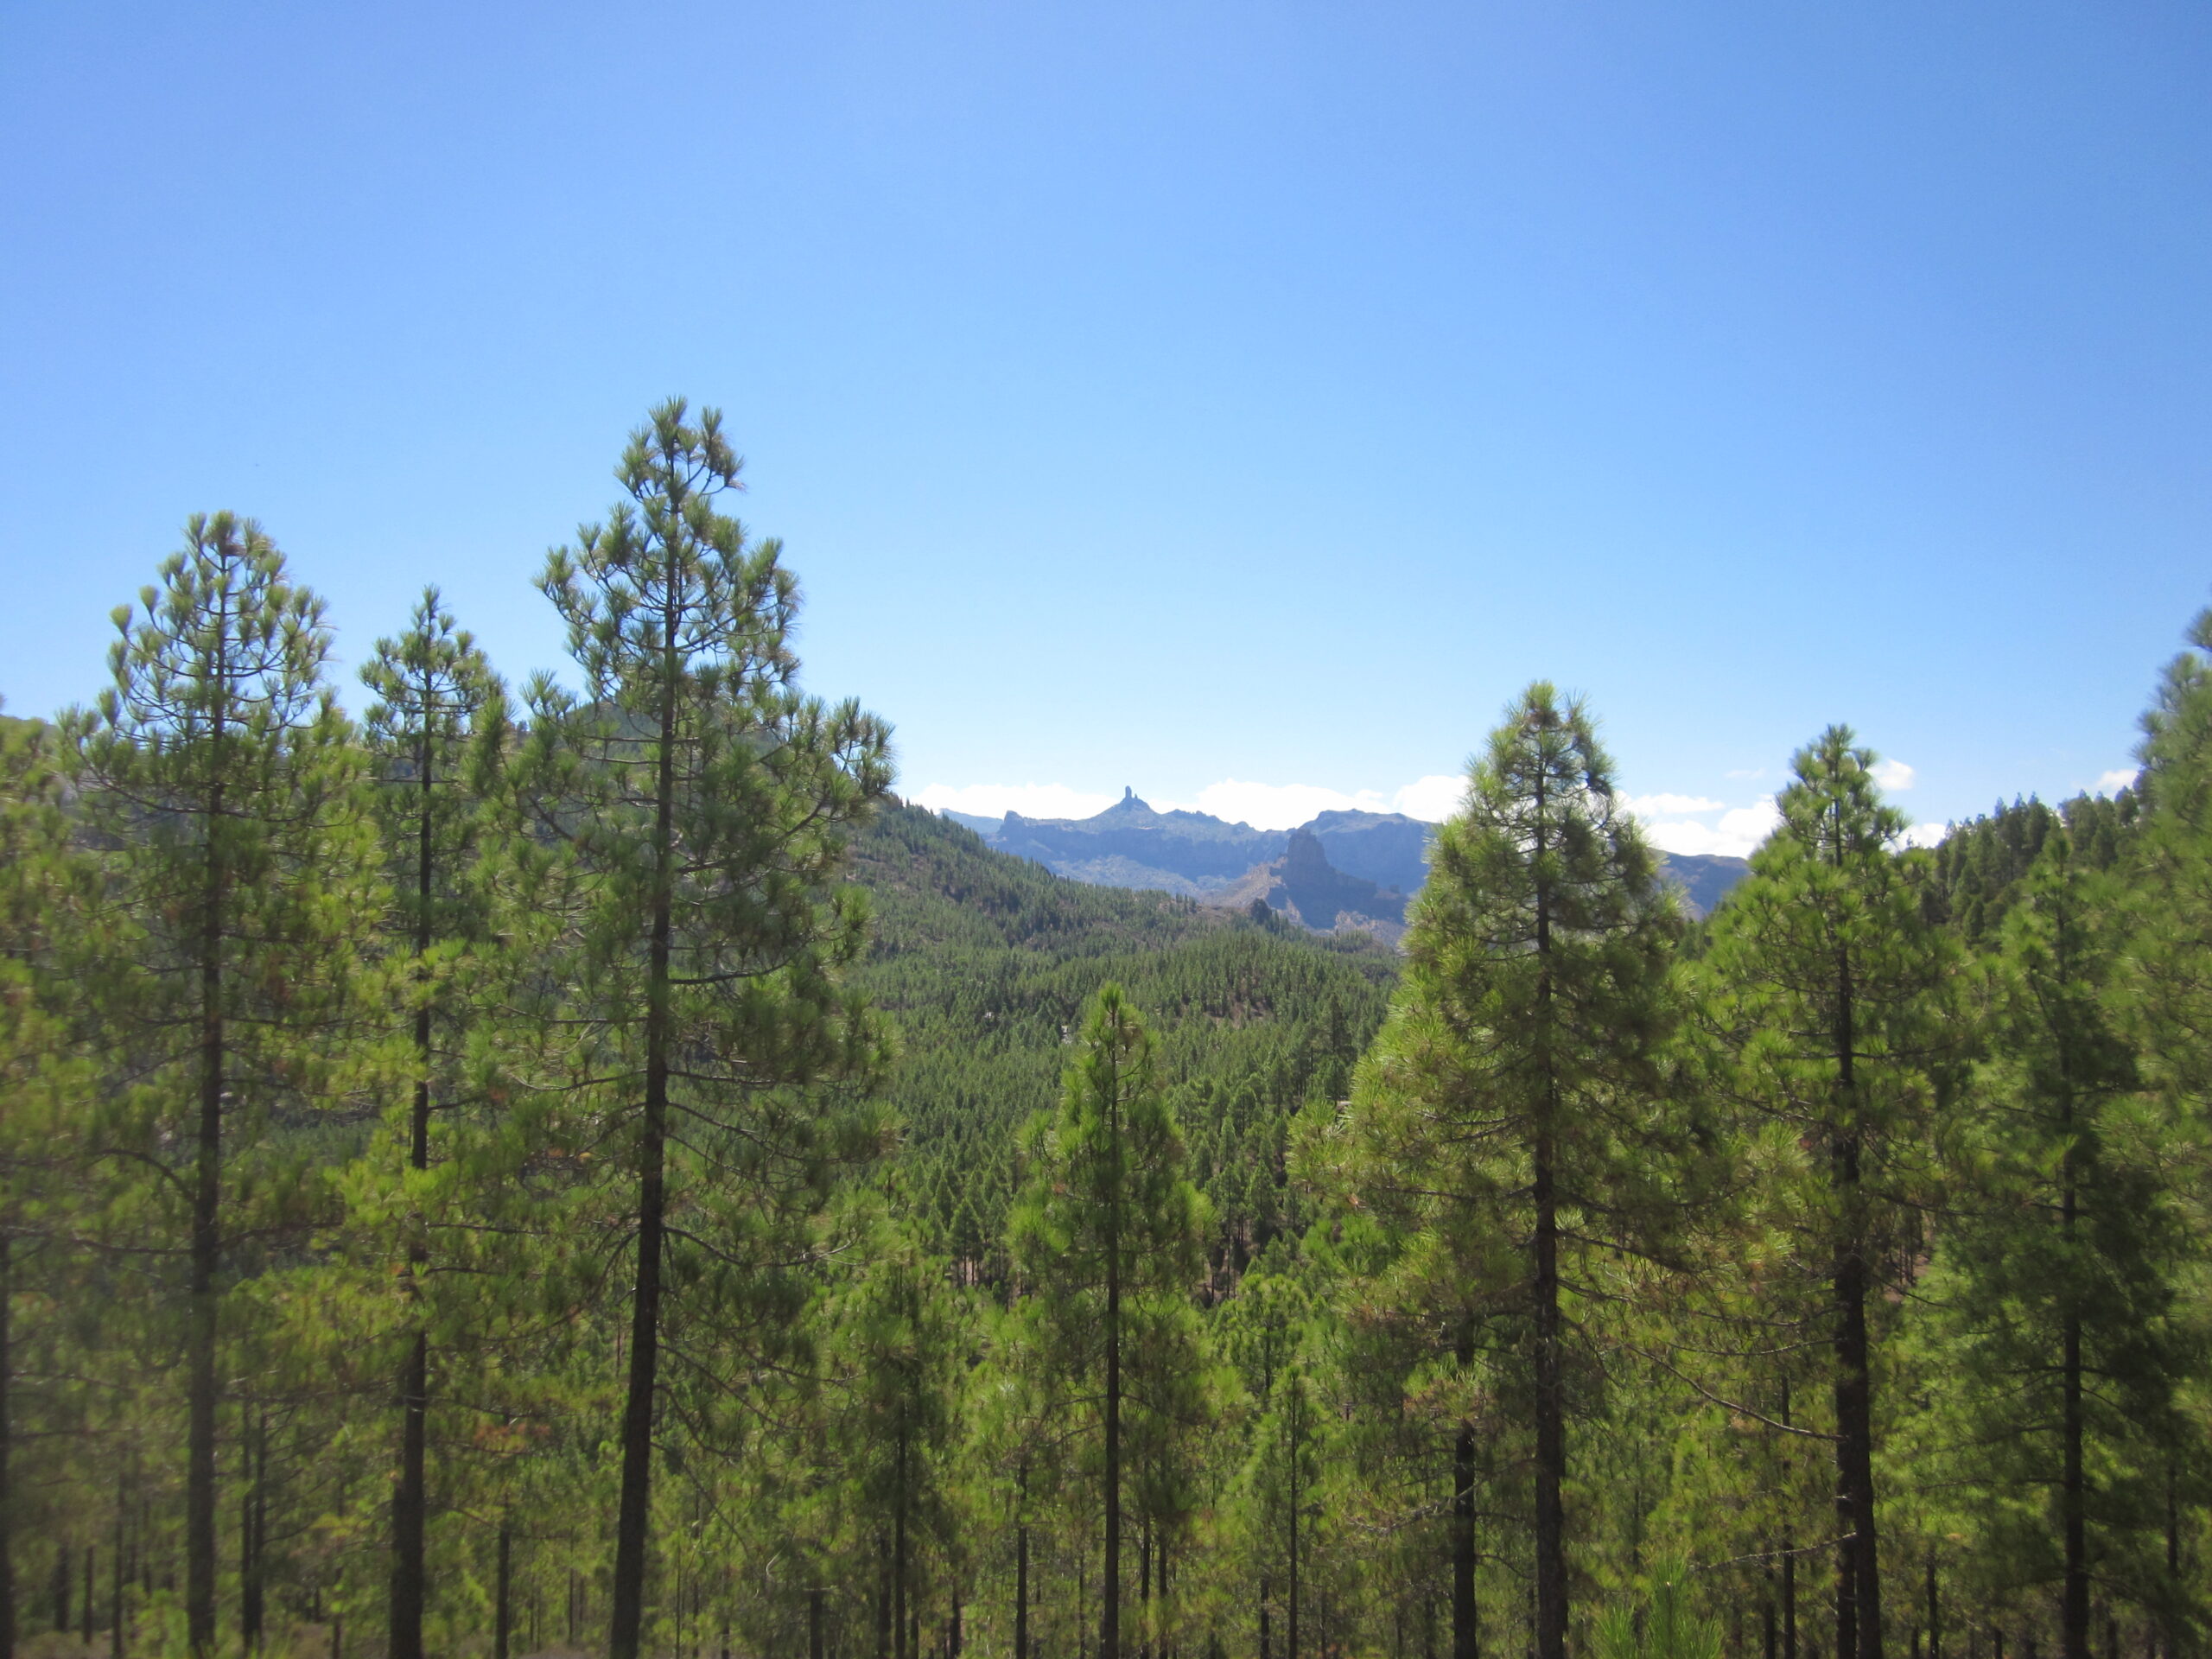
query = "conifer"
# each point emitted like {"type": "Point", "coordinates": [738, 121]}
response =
{"type": "Point", "coordinates": [223, 776]}
{"type": "Point", "coordinates": [1107, 1232]}
{"type": "Point", "coordinates": [702, 806]}
{"type": "Point", "coordinates": [1831, 989]}
{"type": "Point", "coordinates": [1513, 1114]}
{"type": "Point", "coordinates": [436, 734]}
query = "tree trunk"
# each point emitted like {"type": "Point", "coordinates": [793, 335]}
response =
{"type": "Point", "coordinates": [1109, 1610]}
{"type": "Point", "coordinates": [255, 1451]}
{"type": "Point", "coordinates": [1266, 1634]}
{"type": "Point", "coordinates": [408, 1504]}
{"type": "Point", "coordinates": [503, 1606]}
{"type": "Point", "coordinates": [2074, 1602]}
{"type": "Point", "coordinates": [117, 1577]}
{"type": "Point", "coordinates": [1551, 1398]}
{"type": "Point", "coordinates": [882, 1598]}
{"type": "Point", "coordinates": [1296, 1403]}
{"type": "Point", "coordinates": [1467, 1640]}
{"type": "Point", "coordinates": [7, 1438]}
{"type": "Point", "coordinates": [814, 1631]}
{"type": "Point", "coordinates": [206, 1251]}
{"type": "Point", "coordinates": [899, 1634]}
{"type": "Point", "coordinates": [411, 1499]}
{"type": "Point", "coordinates": [1935, 1611]}
{"type": "Point", "coordinates": [1021, 1594]}
{"type": "Point", "coordinates": [1551, 1419]}
{"type": "Point", "coordinates": [1859, 1584]}
{"type": "Point", "coordinates": [635, 1515]}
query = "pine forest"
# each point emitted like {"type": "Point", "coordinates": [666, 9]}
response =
{"type": "Point", "coordinates": [580, 1167]}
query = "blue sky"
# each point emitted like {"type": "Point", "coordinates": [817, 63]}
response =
{"type": "Point", "coordinates": [1176, 396]}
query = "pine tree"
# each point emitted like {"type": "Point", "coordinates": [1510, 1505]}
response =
{"type": "Point", "coordinates": [224, 776]}
{"type": "Point", "coordinates": [1514, 1107]}
{"type": "Point", "coordinates": [2056, 1277]}
{"type": "Point", "coordinates": [704, 806]}
{"type": "Point", "coordinates": [1107, 1229]}
{"type": "Point", "coordinates": [47, 901]}
{"type": "Point", "coordinates": [1831, 989]}
{"type": "Point", "coordinates": [436, 734]}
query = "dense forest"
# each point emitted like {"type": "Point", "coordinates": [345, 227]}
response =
{"type": "Point", "coordinates": [582, 1168]}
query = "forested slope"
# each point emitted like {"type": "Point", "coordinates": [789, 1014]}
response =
{"type": "Point", "coordinates": [984, 961]}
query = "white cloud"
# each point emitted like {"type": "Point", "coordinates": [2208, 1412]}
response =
{"type": "Point", "coordinates": [2120, 778]}
{"type": "Point", "coordinates": [1433, 798]}
{"type": "Point", "coordinates": [1669, 806]}
{"type": "Point", "coordinates": [1031, 800]}
{"type": "Point", "coordinates": [1926, 834]}
{"type": "Point", "coordinates": [1893, 775]}
{"type": "Point", "coordinates": [1740, 831]}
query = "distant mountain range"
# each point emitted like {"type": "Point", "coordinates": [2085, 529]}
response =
{"type": "Point", "coordinates": [1340, 870]}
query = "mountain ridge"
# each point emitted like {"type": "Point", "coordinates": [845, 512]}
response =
{"type": "Point", "coordinates": [1342, 867]}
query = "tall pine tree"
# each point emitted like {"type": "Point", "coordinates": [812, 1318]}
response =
{"type": "Point", "coordinates": [222, 774]}
{"type": "Point", "coordinates": [1107, 1233]}
{"type": "Point", "coordinates": [1513, 1114]}
{"type": "Point", "coordinates": [1831, 990]}
{"type": "Point", "coordinates": [704, 806]}
{"type": "Point", "coordinates": [435, 734]}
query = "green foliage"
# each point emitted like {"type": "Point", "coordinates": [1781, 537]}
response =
{"type": "Point", "coordinates": [477, 1187]}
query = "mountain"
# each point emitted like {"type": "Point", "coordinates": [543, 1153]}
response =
{"type": "Point", "coordinates": [1702, 879]}
{"type": "Point", "coordinates": [1363, 866]}
{"type": "Point", "coordinates": [1304, 886]}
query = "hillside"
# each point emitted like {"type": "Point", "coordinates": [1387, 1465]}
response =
{"type": "Point", "coordinates": [983, 961]}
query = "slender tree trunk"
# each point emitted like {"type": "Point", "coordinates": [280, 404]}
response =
{"type": "Point", "coordinates": [411, 1499]}
{"type": "Point", "coordinates": [7, 1440]}
{"type": "Point", "coordinates": [1789, 1545]}
{"type": "Point", "coordinates": [118, 1574]}
{"type": "Point", "coordinates": [1021, 1593]}
{"type": "Point", "coordinates": [1266, 1634]}
{"type": "Point", "coordinates": [503, 1607]}
{"type": "Point", "coordinates": [84, 1610]}
{"type": "Point", "coordinates": [1290, 1603]}
{"type": "Point", "coordinates": [815, 1649]}
{"type": "Point", "coordinates": [1110, 1611]}
{"type": "Point", "coordinates": [206, 1251]}
{"type": "Point", "coordinates": [1551, 1419]}
{"type": "Point", "coordinates": [882, 1598]}
{"type": "Point", "coordinates": [1551, 1397]}
{"type": "Point", "coordinates": [2073, 1604]}
{"type": "Point", "coordinates": [1466, 1639]}
{"type": "Point", "coordinates": [635, 1513]}
{"type": "Point", "coordinates": [899, 1633]}
{"type": "Point", "coordinates": [1859, 1586]}
{"type": "Point", "coordinates": [1935, 1611]}
{"type": "Point", "coordinates": [255, 1451]}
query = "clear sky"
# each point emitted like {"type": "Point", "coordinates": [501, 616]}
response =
{"type": "Point", "coordinates": [1199, 397]}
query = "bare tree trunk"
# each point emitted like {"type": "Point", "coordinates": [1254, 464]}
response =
{"type": "Point", "coordinates": [1109, 1614]}
{"type": "Point", "coordinates": [627, 1621]}
{"type": "Point", "coordinates": [7, 1440]}
{"type": "Point", "coordinates": [1466, 1639]}
{"type": "Point", "coordinates": [207, 1252]}
{"type": "Point", "coordinates": [410, 1500]}
{"type": "Point", "coordinates": [503, 1607]}
{"type": "Point", "coordinates": [1859, 1582]}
